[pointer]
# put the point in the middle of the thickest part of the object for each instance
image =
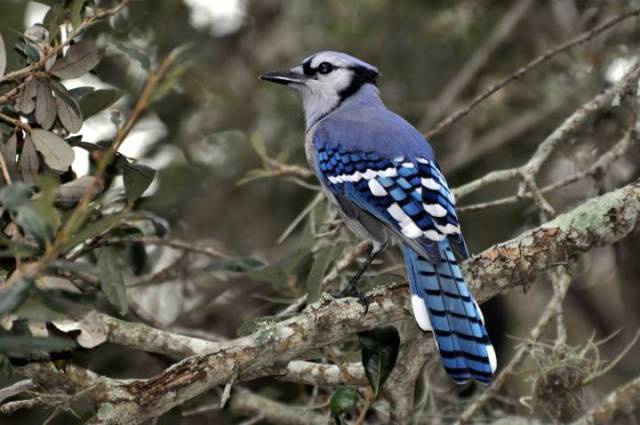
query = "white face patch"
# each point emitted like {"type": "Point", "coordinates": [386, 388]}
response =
{"type": "Point", "coordinates": [420, 313]}
{"type": "Point", "coordinates": [321, 94]}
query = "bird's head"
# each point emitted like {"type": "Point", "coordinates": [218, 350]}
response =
{"type": "Point", "coordinates": [325, 80]}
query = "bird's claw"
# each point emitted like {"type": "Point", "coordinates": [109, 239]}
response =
{"type": "Point", "coordinates": [352, 291]}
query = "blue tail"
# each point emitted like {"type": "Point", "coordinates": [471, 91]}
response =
{"type": "Point", "coordinates": [442, 303]}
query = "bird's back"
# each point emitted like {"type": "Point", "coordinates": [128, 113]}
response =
{"type": "Point", "coordinates": [365, 124]}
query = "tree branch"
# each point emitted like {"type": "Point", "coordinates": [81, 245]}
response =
{"type": "Point", "coordinates": [477, 61]}
{"type": "Point", "coordinates": [548, 54]}
{"type": "Point", "coordinates": [616, 408]}
{"type": "Point", "coordinates": [568, 128]}
{"type": "Point", "coordinates": [598, 222]}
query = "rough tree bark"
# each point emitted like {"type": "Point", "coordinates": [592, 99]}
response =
{"type": "Point", "coordinates": [516, 263]}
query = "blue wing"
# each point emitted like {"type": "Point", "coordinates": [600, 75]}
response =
{"type": "Point", "coordinates": [409, 196]}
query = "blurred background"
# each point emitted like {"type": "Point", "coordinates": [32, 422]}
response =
{"type": "Point", "coordinates": [214, 124]}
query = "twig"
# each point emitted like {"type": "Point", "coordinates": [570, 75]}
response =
{"type": "Point", "coordinates": [14, 406]}
{"type": "Point", "coordinates": [601, 165]}
{"type": "Point", "coordinates": [209, 251]}
{"type": "Point", "coordinates": [558, 277]}
{"type": "Point", "coordinates": [79, 212]}
{"type": "Point", "coordinates": [53, 51]}
{"type": "Point", "coordinates": [548, 54]}
{"type": "Point", "coordinates": [539, 199]}
{"type": "Point", "coordinates": [227, 390]}
{"type": "Point", "coordinates": [343, 369]}
{"type": "Point", "coordinates": [368, 401]}
{"type": "Point", "coordinates": [278, 168]}
{"type": "Point", "coordinates": [477, 61]}
{"type": "Point", "coordinates": [246, 403]}
{"type": "Point", "coordinates": [589, 379]}
{"type": "Point", "coordinates": [400, 387]}
{"type": "Point", "coordinates": [498, 137]}
{"type": "Point", "coordinates": [15, 389]}
{"type": "Point", "coordinates": [521, 354]}
{"type": "Point", "coordinates": [600, 221]}
{"type": "Point", "coordinates": [345, 262]}
{"type": "Point", "coordinates": [5, 169]}
{"type": "Point", "coordinates": [616, 408]}
{"type": "Point", "coordinates": [15, 122]}
{"type": "Point", "coordinates": [571, 125]}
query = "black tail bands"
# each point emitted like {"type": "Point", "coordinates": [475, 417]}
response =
{"type": "Point", "coordinates": [443, 304]}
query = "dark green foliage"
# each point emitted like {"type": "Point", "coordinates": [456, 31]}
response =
{"type": "Point", "coordinates": [380, 347]}
{"type": "Point", "coordinates": [343, 400]}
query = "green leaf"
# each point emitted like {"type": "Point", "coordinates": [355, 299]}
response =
{"type": "Point", "coordinates": [380, 348]}
{"type": "Point", "coordinates": [343, 400]}
{"type": "Point", "coordinates": [325, 256]}
{"type": "Point", "coordinates": [236, 265]}
{"type": "Point", "coordinates": [46, 108]}
{"type": "Point", "coordinates": [26, 102]}
{"type": "Point", "coordinates": [57, 153]}
{"type": "Point", "coordinates": [98, 100]}
{"type": "Point", "coordinates": [28, 163]}
{"type": "Point", "coordinates": [3, 56]}
{"type": "Point", "coordinates": [28, 50]}
{"type": "Point", "coordinates": [70, 193]}
{"type": "Point", "coordinates": [53, 19]}
{"type": "Point", "coordinates": [32, 345]}
{"type": "Point", "coordinates": [12, 296]}
{"type": "Point", "coordinates": [67, 302]}
{"type": "Point", "coordinates": [81, 91]}
{"type": "Point", "coordinates": [92, 230]}
{"type": "Point", "coordinates": [15, 195]}
{"type": "Point", "coordinates": [111, 266]}
{"type": "Point", "coordinates": [68, 108]}
{"type": "Point", "coordinates": [258, 145]}
{"type": "Point", "coordinates": [76, 12]}
{"type": "Point", "coordinates": [137, 178]}
{"type": "Point", "coordinates": [34, 223]}
{"type": "Point", "coordinates": [81, 58]}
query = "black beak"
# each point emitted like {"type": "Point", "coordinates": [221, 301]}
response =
{"type": "Point", "coordinates": [284, 77]}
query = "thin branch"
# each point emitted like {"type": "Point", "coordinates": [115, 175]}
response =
{"type": "Point", "coordinates": [616, 408]}
{"type": "Point", "coordinates": [400, 387]}
{"type": "Point", "coordinates": [603, 164]}
{"type": "Point", "coordinates": [345, 262]}
{"type": "Point", "coordinates": [547, 315]}
{"type": "Point", "coordinates": [498, 137]}
{"type": "Point", "coordinates": [569, 127]}
{"type": "Point", "coordinates": [477, 61]}
{"type": "Point", "coordinates": [78, 214]}
{"type": "Point", "coordinates": [516, 263]}
{"type": "Point", "coordinates": [15, 389]}
{"type": "Point", "coordinates": [53, 51]}
{"type": "Point", "coordinates": [5, 169]}
{"type": "Point", "coordinates": [548, 54]}
{"type": "Point", "coordinates": [598, 374]}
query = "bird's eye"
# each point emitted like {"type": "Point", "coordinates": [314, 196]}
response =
{"type": "Point", "coordinates": [325, 68]}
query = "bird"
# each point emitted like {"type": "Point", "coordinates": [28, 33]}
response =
{"type": "Point", "coordinates": [382, 176]}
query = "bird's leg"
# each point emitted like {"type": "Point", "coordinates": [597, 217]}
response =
{"type": "Point", "coordinates": [351, 290]}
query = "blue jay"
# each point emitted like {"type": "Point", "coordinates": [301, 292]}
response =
{"type": "Point", "coordinates": [382, 176]}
